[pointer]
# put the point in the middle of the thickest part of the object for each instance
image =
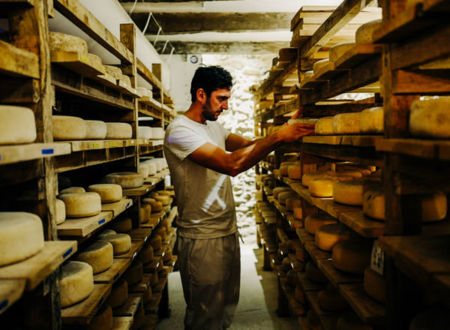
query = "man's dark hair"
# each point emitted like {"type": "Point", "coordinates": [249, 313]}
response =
{"type": "Point", "coordinates": [210, 78]}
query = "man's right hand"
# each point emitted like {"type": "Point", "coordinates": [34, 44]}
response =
{"type": "Point", "coordinates": [293, 132]}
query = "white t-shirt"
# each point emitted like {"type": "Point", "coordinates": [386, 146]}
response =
{"type": "Point", "coordinates": [204, 197]}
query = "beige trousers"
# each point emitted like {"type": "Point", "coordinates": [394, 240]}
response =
{"type": "Point", "coordinates": [210, 273]}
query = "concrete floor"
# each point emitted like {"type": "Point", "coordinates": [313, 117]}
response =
{"type": "Point", "coordinates": [258, 299]}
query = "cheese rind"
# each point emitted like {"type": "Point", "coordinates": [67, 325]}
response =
{"type": "Point", "coordinates": [329, 235]}
{"type": "Point", "coordinates": [69, 128]}
{"type": "Point", "coordinates": [95, 129]}
{"type": "Point", "coordinates": [17, 125]}
{"type": "Point", "coordinates": [119, 131]}
{"type": "Point", "coordinates": [314, 222]}
{"type": "Point", "coordinates": [324, 126]}
{"type": "Point", "coordinates": [374, 203]}
{"type": "Point", "coordinates": [352, 256]}
{"type": "Point", "coordinates": [372, 120]}
{"type": "Point", "coordinates": [67, 43]}
{"type": "Point", "coordinates": [109, 192]}
{"type": "Point", "coordinates": [144, 132]}
{"type": "Point", "coordinates": [282, 197]}
{"type": "Point", "coordinates": [80, 205]}
{"type": "Point", "coordinates": [76, 284]}
{"type": "Point", "coordinates": [276, 191]}
{"type": "Point", "coordinates": [308, 177]}
{"type": "Point", "coordinates": [60, 211]}
{"type": "Point", "coordinates": [364, 33]}
{"type": "Point", "coordinates": [348, 192]}
{"type": "Point", "coordinates": [375, 285]}
{"type": "Point", "coordinates": [146, 255]}
{"type": "Point", "coordinates": [346, 123]}
{"type": "Point", "coordinates": [121, 242]}
{"type": "Point", "coordinates": [114, 71]}
{"type": "Point", "coordinates": [295, 172]}
{"type": "Point", "coordinates": [21, 236]}
{"type": "Point", "coordinates": [71, 190]}
{"type": "Point", "coordinates": [322, 187]}
{"type": "Point", "coordinates": [430, 118]}
{"type": "Point", "coordinates": [98, 254]}
{"type": "Point", "coordinates": [157, 206]}
{"type": "Point", "coordinates": [125, 179]}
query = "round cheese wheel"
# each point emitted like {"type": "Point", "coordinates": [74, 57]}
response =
{"type": "Point", "coordinates": [364, 33]}
{"type": "Point", "coordinates": [71, 190]}
{"type": "Point", "coordinates": [144, 92]}
{"type": "Point", "coordinates": [375, 285]}
{"type": "Point", "coordinates": [21, 236]}
{"type": "Point", "coordinates": [148, 295]}
{"type": "Point", "coordinates": [322, 187]}
{"type": "Point", "coordinates": [125, 80]}
{"type": "Point", "coordinates": [282, 197]}
{"type": "Point", "coordinates": [119, 131]}
{"type": "Point", "coordinates": [314, 274]}
{"type": "Point", "coordinates": [352, 256]}
{"type": "Point", "coordinates": [17, 125]}
{"type": "Point", "coordinates": [299, 295]}
{"type": "Point", "coordinates": [324, 126]}
{"type": "Point", "coordinates": [348, 192]}
{"type": "Point", "coordinates": [151, 167]}
{"type": "Point", "coordinates": [329, 235]}
{"type": "Point", "coordinates": [76, 283]}
{"type": "Point", "coordinates": [340, 49]}
{"type": "Point", "coordinates": [94, 60]}
{"type": "Point", "coordinates": [103, 320]}
{"type": "Point", "coordinates": [314, 222]}
{"type": "Point", "coordinates": [109, 192]}
{"type": "Point", "coordinates": [114, 71]}
{"type": "Point", "coordinates": [144, 132]}
{"type": "Point", "coordinates": [164, 192]}
{"type": "Point", "coordinates": [331, 300]}
{"type": "Point", "coordinates": [317, 66]}
{"type": "Point", "coordinates": [146, 255]}
{"type": "Point", "coordinates": [67, 43]}
{"type": "Point", "coordinates": [295, 172]}
{"type": "Point", "coordinates": [121, 242]}
{"type": "Point", "coordinates": [135, 273]}
{"type": "Point", "coordinates": [145, 212]}
{"type": "Point", "coordinates": [98, 254]}
{"type": "Point", "coordinates": [437, 318]}
{"type": "Point", "coordinates": [119, 294]}
{"type": "Point", "coordinates": [69, 128]}
{"type": "Point", "coordinates": [372, 120]}
{"type": "Point", "coordinates": [343, 175]}
{"type": "Point", "coordinates": [276, 191]}
{"type": "Point", "coordinates": [430, 118]}
{"type": "Point", "coordinates": [157, 206]}
{"type": "Point", "coordinates": [298, 212]}
{"type": "Point", "coordinates": [293, 202]}
{"type": "Point", "coordinates": [165, 200]}
{"type": "Point", "coordinates": [156, 242]}
{"type": "Point", "coordinates": [346, 123]}
{"type": "Point", "coordinates": [308, 177]}
{"type": "Point", "coordinates": [143, 170]}
{"type": "Point", "coordinates": [95, 130]}
{"type": "Point", "coordinates": [60, 211]}
{"type": "Point", "coordinates": [123, 225]}
{"type": "Point", "coordinates": [374, 202]}
{"type": "Point", "coordinates": [284, 166]}
{"type": "Point", "coordinates": [157, 133]}
{"type": "Point", "coordinates": [125, 179]}
{"type": "Point", "coordinates": [350, 321]}
{"type": "Point", "coordinates": [80, 205]}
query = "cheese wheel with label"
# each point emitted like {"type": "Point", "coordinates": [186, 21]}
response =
{"type": "Point", "coordinates": [144, 132]}
{"type": "Point", "coordinates": [123, 225]}
{"type": "Point", "coordinates": [126, 180]}
{"type": "Point", "coordinates": [346, 123]}
{"type": "Point", "coordinates": [17, 125]}
{"type": "Point", "coordinates": [67, 43]}
{"type": "Point", "coordinates": [76, 283]}
{"type": "Point", "coordinates": [68, 128]}
{"type": "Point", "coordinates": [98, 254]}
{"type": "Point", "coordinates": [314, 222]}
{"type": "Point", "coordinates": [135, 273]}
{"type": "Point", "coordinates": [121, 242]}
{"type": "Point", "coordinates": [329, 235]}
{"type": "Point", "coordinates": [317, 66]}
{"type": "Point", "coordinates": [324, 126]}
{"type": "Point", "coordinates": [340, 49]}
{"type": "Point", "coordinates": [109, 192]}
{"type": "Point", "coordinates": [372, 120]}
{"type": "Point", "coordinates": [322, 187]}
{"type": "Point", "coordinates": [72, 190]}
{"type": "Point", "coordinates": [364, 33]}
{"type": "Point", "coordinates": [21, 236]}
{"type": "Point", "coordinates": [430, 118]}
{"type": "Point", "coordinates": [119, 131]}
{"type": "Point", "coordinates": [348, 192]}
{"type": "Point", "coordinates": [295, 172]}
{"type": "Point", "coordinates": [330, 300]}
{"type": "Point", "coordinates": [103, 320]}
{"type": "Point", "coordinates": [119, 294]}
{"type": "Point", "coordinates": [375, 285]}
{"type": "Point", "coordinates": [60, 211]}
{"type": "Point", "coordinates": [95, 130]}
{"type": "Point", "coordinates": [352, 256]}
{"type": "Point", "coordinates": [80, 205]}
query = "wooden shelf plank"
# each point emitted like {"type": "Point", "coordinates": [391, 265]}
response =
{"type": "Point", "coordinates": [11, 291]}
{"type": "Point", "coordinates": [77, 62]}
{"type": "Point", "coordinates": [428, 149]}
{"type": "Point", "coordinates": [130, 307]}
{"type": "Point", "coordinates": [86, 145]}
{"type": "Point", "coordinates": [357, 55]}
{"type": "Point", "coordinates": [141, 234]}
{"type": "Point", "coordinates": [148, 75]}
{"type": "Point", "coordinates": [345, 140]}
{"type": "Point", "coordinates": [117, 207]}
{"type": "Point", "coordinates": [112, 274]}
{"type": "Point", "coordinates": [335, 276]}
{"type": "Point", "coordinates": [18, 62]}
{"type": "Point", "coordinates": [25, 152]}
{"type": "Point", "coordinates": [308, 285]}
{"type": "Point", "coordinates": [83, 312]}
{"type": "Point", "coordinates": [122, 323]}
{"type": "Point", "coordinates": [136, 246]}
{"type": "Point", "coordinates": [82, 227]}
{"type": "Point", "coordinates": [36, 268]}
{"type": "Point", "coordinates": [140, 191]}
{"type": "Point", "coordinates": [363, 225]}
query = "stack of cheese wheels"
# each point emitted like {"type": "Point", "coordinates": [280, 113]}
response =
{"type": "Point", "coordinates": [135, 273]}
{"type": "Point", "coordinates": [80, 205]}
{"type": "Point", "coordinates": [95, 130]}
{"type": "Point", "coordinates": [372, 120]}
{"type": "Point", "coordinates": [349, 192]}
{"type": "Point", "coordinates": [60, 211]}
{"type": "Point", "coordinates": [293, 202]}
{"type": "Point", "coordinates": [156, 242]}
{"type": "Point", "coordinates": [352, 256]}
{"type": "Point", "coordinates": [364, 33]}
{"type": "Point", "coordinates": [162, 197]}
{"type": "Point", "coordinates": [144, 132]}
{"type": "Point", "coordinates": [295, 172]}
{"type": "Point", "coordinates": [314, 222]}
{"type": "Point", "coordinates": [283, 196]}
{"type": "Point", "coordinates": [430, 117]}
{"type": "Point", "coordinates": [322, 187]}
{"type": "Point", "coordinates": [314, 274]}
{"type": "Point", "coordinates": [436, 318]}
{"type": "Point", "coordinates": [308, 177]}
{"type": "Point", "coordinates": [284, 166]}
{"type": "Point", "coordinates": [109, 192]}
{"type": "Point", "coordinates": [329, 235]}
{"type": "Point", "coordinates": [157, 133]}
{"type": "Point", "coordinates": [118, 131]}
{"type": "Point", "coordinates": [76, 284]}
{"type": "Point", "coordinates": [113, 71]}
{"type": "Point", "coordinates": [67, 43]}
{"type": "Point", "coordinates": [121, 242]}
{"type": "Point", "coordinates": [21, 236]}
{"type": "Point", "coordinates": [340, 49]}
{"type": "Point", "coordinates": [119, 294]}
{"type": "Point", "coordinates": [103, 320]}
{"type": "Point", "coordinates": [146, 255]}
{"type": "Point", "coordinates": [375, 285]}
{"type": "Point", "coordinates": [317, 66]}
{"type": "Point", "coordinates": [330, 300]}
{"type": "Point", "coordinates": [69, 128]}
{"type": "Point", "coordinates": [123, 225]}
{"type": "Point", "coordinates": [276, 191]}
{"type": "Point", "coordinates": [145, 212]}
{"type": "Point", "coordinates": [324, 126]}
{"type": "Point", "coordinates": [346, 123]}
{"type": "Point", "coordinates": [126, 180]}
{"type": "Point", "coordinates": [151, 167]}
{"type": "Point", "coordinates": [17, 125]}
{"type": "Point", "coordinates": [156, 206]}
{"type": "Point", "coordinates": [312, 320]}
{"type": "Point", "coordinates": [350, 321]}
{"type": "Point", "coordinates": [99, 255]}
{"type": "Point", "coordinates": [72, 190]}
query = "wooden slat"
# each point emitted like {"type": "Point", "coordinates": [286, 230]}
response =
{"type": "Point", "coordinates": [111, 275]}
{"type": "Point", "coordinates": [335, 276]}
{"type": "Point", "coordinates": [357, 54]}
{"type": "Point", "coordinates": [148, 75]}
{"type": "Point", "coordinates": [428, 149]}
{"type": "Point", "coordinates": [122, 323]}
{"type": "Point", "coordinates": [348, 140]}
{"type": "Point", "coordinates": [25, 152]}
{"type": "Point", "coordinates": [82, 227]}
{"type": "Point", "coordinates": [420, 82]}
{"type": "Point", "coordinates": [130, 307]}
{"type": "Point", "coordinates": [78, 63]}
{"type": "Point", "coordinates": [10, 292]}
{"type": "Point", "coordinates": [117, 207]}
{"type": "Point", "coordinates": [18, 62]}
{"type": "Point", "coordinates": [140, 234]}
{"type": "Point", "coordinates": [136, 246]}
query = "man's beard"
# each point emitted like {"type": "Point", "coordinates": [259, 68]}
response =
{"type": "Point", "coordinates": [208, 114]}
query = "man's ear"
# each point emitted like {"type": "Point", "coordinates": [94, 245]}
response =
{"type": "Point", "coordinates": [201, 95]}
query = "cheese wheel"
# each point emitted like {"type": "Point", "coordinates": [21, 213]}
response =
{"type": "Point", "coordinates": [372, 120]}
{"type": "Point", "coordinates": [364, 33]}
{"type": "Point", "coordinates": [17, 125]}
{"type": "Point", "coordinates": [135, 273]}
{"type": "Point", "coordinates": [340, 49]}
{"type": "Point", "coordinates": [109, 192]}
{"type": "Point", "coordinates": [314, 222]}
{"type": "Point", "coordinates": [98, 254]}
{"type": "Point", "coordinates": [144, 92]}
{"type": "Point", "coordinates": [157, 133]}
{"type": "Point", "coordinates": [295, 172]}
{"type": "Point", "coordinates": [430, 118]}
{"type": "Point", "coordinates": [125, 179]}
{"type": "Point", "coordinates": [276, 191]}
{"type": "Point", "coordinates": [282, 197]}
{"type": "Point", "coordinates": [80, 205]}
{"type": "Point", "coordinates": [329, 235]}
{"type": "Point", "coordinates": [350, 321]}
{"type": "Point", "coordinates": [119, 294]}
{"type": "Point", "coordinates": [123, 225]}
{"type": "Point", "coordinates": [374, 203]}
{"type": "Point", "coordinates": [157, 206]}
{"type": "Point", "coordinates": [156, 242]}
{"type": "Point", "coordinates": [314, 274]}
{"type": "Point", "coordinates": [94, 60]}
{"type": "Point", "coordinates": [114, 71]}
{"type": "Point", "coordinates": [342, 175]}
{"type": "Point", "coordinates": [121, 242]}
{"type": "Point", "coordinates": [151, 167]}
{"type": "Point", "coordinates": [308, 177]}
{"type": "Point", "coordinates": [322, 187]}
{"type": "Point", "coordinates": [69, 128]}
{"type": "Point", "coordinates": [95, 130]}
{"type": "Point", "coordinates": [71, 190]}
{"type": "Point", "coordinates": [76, 283]}
{"type": "Point", "coordinates": [330, 300]}
{"type": "Point", "coordinates": [145, 212]}
{"type": "Point", "coordinates": [103, 320]}
{"type": "Point", "coordinates": [348, 192]}
{"type": "Point", "coordinates": [324, 126]}
{"type": "Point", "coordinates": [144, 132]}
{"type": "Point", "coordinates": [352, 256]}
{"type": "Point", "coordinates": [165, 200]}
{"type": "Point", "coordinates": [311, 121]}
{"type": "Point", "coordinates": [375, 285]}
{"type": "Point", "coordinates": [60, 211]}
{"type": "Point", "coordinates": [434, 207]}
{"type": "Point", "coordinates": [299, 295]}
{"type": "Point", "coordinates": [293, 202]}
{"type": "Point", "coordinates": [119, 131]}
{"type": "Point", "coordinates": [163, 192]}
{"type": "Point", "coordinates": [125, 80]}
{"type": "Point", "coordinates": [346, 123]}
{"type": "Point", "coordinates": [143, 170]}
{"type": "Point", "coordinates": [284, 166]}
{"type": "Point", "coordinates": [298, 213]}
{"type": "Point", "coordinates": [21, 236]}
{"type": "Point", "coordinates": [317, 66]}
{"type": "Point", "coordinates": [146, 255]}
{"type": "Point", "coordinates": [67, 43]}
{"type": "Point", "coordinates": [436, 318]}
{"type": "Point", "coordinates": [148, 295]}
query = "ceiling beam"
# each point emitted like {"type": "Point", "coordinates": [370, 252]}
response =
{"type": "Point", "coordinates": [244, 48]}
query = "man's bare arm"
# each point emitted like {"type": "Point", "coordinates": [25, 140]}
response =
{"type": "Point", "coordinates": [235, 142]}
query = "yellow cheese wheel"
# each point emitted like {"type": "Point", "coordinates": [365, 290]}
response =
{"type": "Point", "coordinates": [372, 120]}
{"type": "Point", "coordinates": [348, 192]}
{"type": "Point", "coordinates": [103, 320]}
{"type": "Point", "coordinates": [329, 235]}
{"type": "Point", "coordinates": [72, 190]}
{"type": "Point", "coordinates": [346, 123]}
{"type": "Point", "coordinates": [156, 206]}
{"type": "Point", "coordinates": [364, 33]}
{"type": "Point", "coordinates": [119, 294]}
{"type": "Point", "coordinates": [144, 132]}
{"type": "Point", "coordinates": [330, 300]}
{"type": "Point", "coordinates": [352, 256]}
{"type": "Point", "coordinates": [340, 49]}
{"type": "Point", "coordinates": [95, 60]}
{"type": "Point", "coordinates": [126, 180]}
{"type": "Point", "coordinates": [322, 187]}
{"type": "Point", "coordinates": [80, 205]}
{"type": "Point", "coordinates": [375, 285]}
{"type": "Point", "coordinates": [298, 213]}
{"type": "Point", "coordinates": [17, 125]}
{"type": "Point", "coordinates": [95, 130]}
{"type": "Point", "coordinates": [60, 211]}
{"type": "Point", "coordinates": [314, 222]}
{"type": "Point", "coordinates": [125, 80]}
{"type": "Point", "coordinates": [121, 242]}
{"type": "Point", "coordinates": [123, 225]}
{"type": "Point", "coordinates": [67, 43]}
{"type": "Point", "coordinates": [76, 283]}
{"type": "Point", "coordinates": [68, 128]}
{"type": "Point", "coordinates": [308, 177]}
{"type": "Point", "coordinates": [165, 200]}
{"type": "Point", "coordinates": [350, 321]}
{"type": "Point", "coordinates": [283, 196]}
{"type": "Point", "coordinates": [276, 191]}
{"type": "Point", "coordinates": [98, 254]}
{"type": "Point", "coordinates": [430, 118]}
{"type": "Point", "coordinates": [293, 202]}
{"type": "Point", "coordinates": [118, 131]}
{"type": "Point", "coordinates": [135, 273]}
{"type": "Point", "coordinates": [324, 126]}
{"type": "Point", "coordinates": [145, 212]}
{"type": "Point", "coordinates": [348, 173]}
{"type": "Point", "coordinates": [317, 66]}
{"type": "Point", "coordinates": [284, 166]}
{"type": "Point", "coordinates": [109, 192]}
{"type": "Point", "coordinates": [295, 172]}
{"type": "Point", "coordinates": [314, 274]}
{"type": "Point", "coordinates": [374, 202]}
